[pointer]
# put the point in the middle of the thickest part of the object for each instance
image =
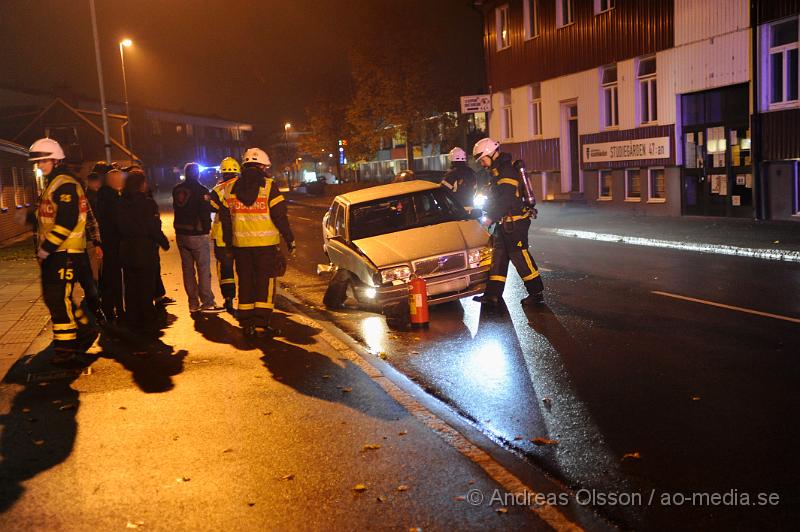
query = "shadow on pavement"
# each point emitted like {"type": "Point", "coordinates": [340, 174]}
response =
{"type": "Point", "coordinates": [39, 427]}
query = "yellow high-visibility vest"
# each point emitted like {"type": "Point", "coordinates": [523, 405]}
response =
{"type": "Point", "coordinates": [252, 224]}
{"type": "Point", "coordinates": [75, 241]}
{"type": "Point", "coordinates": [216, 225]}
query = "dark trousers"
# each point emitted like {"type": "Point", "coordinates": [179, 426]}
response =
{"type": "Point", "coordinates": [85, 275]}
{"type": "Point", "coordinates": [140, 288]}
{"type": "Point", "coordinates": [256, 270]}
{"type": "Point", "coordinates": [225, 269]}
{"type": "Point", "coordinates": [160, 291]}
{"type": "Point", "coordinates": [59, 274]}
{"type": "Point", "coordinates": [111, 283]}
{"type": "Point", "coordinates": [510, 244]}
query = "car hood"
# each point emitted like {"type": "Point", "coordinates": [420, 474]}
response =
{"type": "Point", "coordinates": [411, 244]}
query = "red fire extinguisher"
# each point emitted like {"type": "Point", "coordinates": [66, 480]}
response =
{"type": "Point", "coordinates": [418, 302]}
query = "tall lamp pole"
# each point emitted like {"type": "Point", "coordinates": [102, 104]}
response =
{"type": "Point", "coordinates": [103, 108]}
{"type": "Point", "coordinates": [125, 43]}
{"type": "Point", "coordinates": [286, 127]}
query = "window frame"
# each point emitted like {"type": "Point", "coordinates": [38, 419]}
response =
{"type": "Point", "coordinates": [560, 13]}
{"type": "Point", "coordinates": [598, 6]}
{"type": "Point", "coordinates": [531, 13]}
{"type": "Point", "coordinates": [651, 80]}
{"type": "Point", "coordinates": [535, 111]}
{"type": "Point", "coordinates": [600, 174]}
{"type": "Point", "coordinates": [628, 197]}
{"type": "Point", "coordinates": [502, 13]}
{"type": "Point", "coordinates": [508, 115]}
{"type": "Point", "coordinates": [650, 197]}
{"type": "Point", "coordinates": [18, 184]}
{"type": "Point", "coordinates": [612, 87]}
{"type": "Point", "coordinates": [784, 50]}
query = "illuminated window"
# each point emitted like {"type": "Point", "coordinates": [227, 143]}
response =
{"type": "Point", "coordinates": [535, 109]}
{"type": "Point", "coordinates": [601, 6]}
{"type": "Point", "coordinates": [189, 130]}
{"type": "Point", "coordinates": [783, 62]}
{"type": "Point", "coordinates": [648, 97]}
{"type": "Point", "coordinates": [502, 27]}
{"type": "Point", "coordinates": [531, 18]}
{"type": "Point", "coordinates": [17, 178]}
{"type": "Point", "coordinates": [656, 184]}
{"type": "Point", "coordinates": [604, 179]}
{"type": "Point", "coordinates": [564, 12]}
{"type": "Point", "coordinates": [508, 121]}
{"type": "Point", "coordinates": [633, 185]}
{"type": "Point", "coordinates": [610, 97]}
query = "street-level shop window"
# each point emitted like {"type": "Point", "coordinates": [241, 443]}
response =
{"type": "Point", "coordinates": [531, 12]}
{"type": "Point", "coordinates": [564, 12]}
{"type": "Point", "coordinates": [656, 185]}
{"type": "Point", "coordinates": [508, 120]}
{"type": "Point", "coordinates": [610, 96]}
{"type": "Point", "coordinates": [648, 96]}
{"type": "Point", "coordinates": [601, 6]}
{"type": "Point", "coordinates": [783, 62]}
{"type": "Point", "coordinates": [502, 27]}
{"type": "Point", "coordinates": [604, 180]}
{"type": "Point", "coordinates": [633, 185]}
{"type": "Point", "coordinates": [535, 109]}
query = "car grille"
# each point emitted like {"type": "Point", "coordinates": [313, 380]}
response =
{"type": "Point", "coordinates": [442, 264]}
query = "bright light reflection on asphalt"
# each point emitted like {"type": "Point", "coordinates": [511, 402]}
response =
{"type": "Point", "coordinates": [374, 331]}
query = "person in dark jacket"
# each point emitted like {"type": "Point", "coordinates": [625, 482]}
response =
{"type": "Point", "coordinates": [506, 213]}
{"type": "Point", "coordinates": [140, 229]}
{"type": "Point", "coordinates": [190, 201]}
{"type": "Point", "coordinates": [109, 198]}
{"type": "Point", "coordinates": [460, 179]}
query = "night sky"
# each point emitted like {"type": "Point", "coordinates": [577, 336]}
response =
{"type": "Point", "coordinates": [257, 61]}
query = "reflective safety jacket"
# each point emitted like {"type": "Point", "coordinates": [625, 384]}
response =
{"type": "Point", "coordinates": [62, 212]}
{"type": "Point", "coordinates": [252, 225]}
{"type": "Point", "coordinates": [504, 201]}
{"type": "Point", "coordinates": [216, 201]}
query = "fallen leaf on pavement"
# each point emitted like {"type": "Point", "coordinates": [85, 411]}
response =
{"type": "Point", "coordinates": [383, 355]}
{"type": "Point", "coordinates": [123, 408]}
{"type": "Point", "coordinates": [288, 477]}
{"type": "Point", "coordinates": [371, 447]}
{"type": "Point", "coordinates": [381, 498]}
{"type": "Point", "coordinates": [631, 456]}
{"type": "Point", "coordinates": [402, 433]}
{"type": "Point", "coordinates": [414, 352]}
{"type": "Point", "coordinates": [543, 441]}
{"type": "Point", "coordinates": [359, 487]}
{"type": "Point", "coordinates": [227, 450]}
{"type": "Point", "coordinates": [402, 487]}
{"type": "Point", "coordinates": [459, 498]}
{"type": "Point", "coordinates": [347, 390]}
{"type": "Point", "coordinates": [38, 442]}
{"type": "Point", "coordinates": [26, 410]}
{"type": "Point", "coordinates": [251, 504]}
{"type": "Point", "coordinates": [326, 376]}
{"type": "Point", "coordinates": [502, 510]}
{"type": "Point", "coordinates": [267, 413]}
{"type": "Point", "coordinates": [471, 482]}
{"type": "Point", "coordinates": [182, 479]}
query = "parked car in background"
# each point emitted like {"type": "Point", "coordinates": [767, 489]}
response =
{"type": "Point", "coordinates": [378, 238]}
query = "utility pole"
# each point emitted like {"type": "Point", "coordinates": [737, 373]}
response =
{"type": "Point", "coordinates": [103, 108]}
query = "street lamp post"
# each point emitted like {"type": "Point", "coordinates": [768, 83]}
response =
{"type": "Point", "coordinates": [286, 127]}
{"type": "Point", "coordinates": [103, 109]}
{"type": "Point", "coordinates": [125, 43]}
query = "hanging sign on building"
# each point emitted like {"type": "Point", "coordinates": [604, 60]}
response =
{"type": "Point", "coordinates": [627, 150]}
{"type": "Point", "coordinates": [477, 103]}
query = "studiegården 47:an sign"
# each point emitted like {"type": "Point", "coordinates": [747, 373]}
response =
{"type": "Point", "coordinates": [627, 150]}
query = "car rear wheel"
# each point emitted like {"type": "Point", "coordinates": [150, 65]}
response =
{"type": "Point", "coordinates": [336, 294]}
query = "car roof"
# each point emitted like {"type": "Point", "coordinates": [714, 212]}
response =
{"type": "Point", "coordinates": [386, 191]}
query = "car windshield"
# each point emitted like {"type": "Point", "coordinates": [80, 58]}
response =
{"type": "Point", "coordinates": [389, 215]}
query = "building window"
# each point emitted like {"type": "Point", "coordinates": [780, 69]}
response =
{"type": "Point", "coordinates": [657, 185]}
{"type": "Point", "coordinates": [236, 132]}
{"type": "Point", "coordinates": [155, 127]}
{"type": "Point", "coordinates": [783, 56]}
{"type": "Point", "coordinates": [179, 129]}
{"type": "Point", "coordinates": [19, 186]}
{"type": "Point", "coordinates": [535, 109]}
{"type": "Point", "coordinates": [564, 12]}
{"type": "Point", "coordinates": [531, 19]}
{"type": "Point", "coordinates": [502, 27]}
{"type": "Point", "coordinates": [189, 130]}
{"type": "Point", "coordinates": [601, 6]}
{"type": "Point", "coordinates": [604, 185]}
{"type": "Point", "coordinates": [648, 97]}
{"type": "Point", "coordinates": [508, 120]}
{"type": "Point", "coordinates": [633, 185]}
{"type": "Point", "coordinates": [610, 97]}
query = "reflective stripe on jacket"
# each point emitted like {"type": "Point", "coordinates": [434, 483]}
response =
{"type": "Point", "coordinates": [70, 239]}
{"type": "Point", "coordinates": [252, 224]}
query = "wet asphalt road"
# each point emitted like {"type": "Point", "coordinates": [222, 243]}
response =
{"type": "Point", "coordinates": [658, 402]}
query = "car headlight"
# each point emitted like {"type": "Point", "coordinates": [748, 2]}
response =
{"type": "Point", "coordinates": [479, 200]}
{"type": "Point", "coordinates": [400, 273]}
{"type": "Point", "coordinates": [479, 256]}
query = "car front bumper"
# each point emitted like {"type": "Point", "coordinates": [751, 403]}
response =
{"type": "Point", "coordinates": [441, 289]}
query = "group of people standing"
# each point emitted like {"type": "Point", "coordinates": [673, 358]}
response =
{"type": "Point", "coordinates": [106, 234]}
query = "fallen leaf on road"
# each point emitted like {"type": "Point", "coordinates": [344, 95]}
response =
{"type": "Point", "coordinates": [371, 447]}
{"type": "Point", "coordinates": [414, 352]}
{"type": "Point", "coordinates": [26, 410]}
{"type": "Point", "coordinates": [471, 482]}
{"type": "Point", "coordinates": [38, 442]}
{"type": "Point", "coordinates": [251, 504]}
{"type": "Point", "coordinates": [288, 477]}
{"type": "Point", "coordinates": [123, 408]}
{"type": "Point", "coordinates": [402, 487]}
{"type": "Point", "coordinates": [267, 413]}
{"type": "Point", "coordinates": [326, 376]}
{"type": "Point", "coordinates": [347, 390]}
{"type": "Point", "coordinates": [543, 441]}
{"type": "Point", "coordinates": [68, 406]}
{"type": "Point", "coordinates": [502, 510]}
{"type": "Point", "coordinates": [631, 456]}
{"type": "Point", "coordinates": [381, 498]}
{"type": "Point", "coordinates": [402, 433]}
{"type": "Point", "coordinates": [182, 479]}
{"type": "Point", "coordinates": [227, 450]}
{"type": "Point", "coordinates": [359, 488]}
{"type": "Point", "coordinates": [383, 355]}
{"type": "Point", "coordinates": [459, 498]}
{"type": "Point", "coordinates": [137, 524]}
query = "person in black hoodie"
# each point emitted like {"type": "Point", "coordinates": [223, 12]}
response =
{"type": "Point", "coordinates": [109, 198]}
{"type": "Point", "coordinates": [139, 226]}
{"type": "Point", "coordinates": [190, 201]}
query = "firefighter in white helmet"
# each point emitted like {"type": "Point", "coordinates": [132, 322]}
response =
{"type": "Point", "coordinates": [460, 179]}
{"type": "Point", "coordinates": [509, 221]}
{"type": "Point", "coordinates": [254, 218]}
{"type": "Point", "coordinates": [61, 242]}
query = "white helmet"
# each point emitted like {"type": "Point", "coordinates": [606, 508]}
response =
{"type": "Point", "coordinates": [256, 155]}
{"type": "Point", "coordinates": [44, 149]}
{"type": "Point", "coordinates": [485, 146]}
{"type": "Point", "coordinates": [457, 154]}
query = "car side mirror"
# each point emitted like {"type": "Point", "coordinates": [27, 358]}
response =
{"type": "Point", "coordinates": [475, 214]}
